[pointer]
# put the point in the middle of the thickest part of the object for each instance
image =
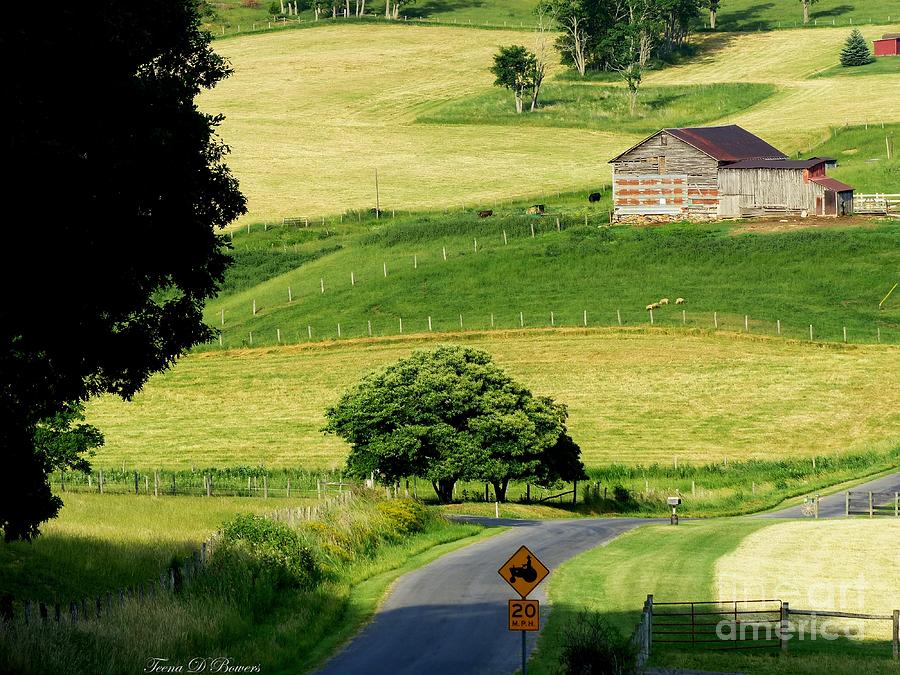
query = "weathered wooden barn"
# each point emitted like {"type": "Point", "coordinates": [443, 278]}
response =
{"type": "Point", "coordinates": [706, 173]}
{"type": "Point", "coordinates": [888, 45]}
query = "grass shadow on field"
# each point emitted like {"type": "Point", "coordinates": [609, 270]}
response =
{"type": "Point", "coordinates": [431, 8]}
{"type": "Point", "coordinates": [750, 18]}
{"type": "Point", "coordinates": [63, 568]}
{"type": "Point", "coordinates": [840, 10]}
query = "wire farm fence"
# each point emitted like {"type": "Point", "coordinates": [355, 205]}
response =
{"type": "Point", "coordinates": [206, 482]}
{"type": "Point", "coordinates": [279, 23]}
{"type": "Point", "coordinates": [237, 326]}
{"type": "Point", "coordinates": [288, 483]}
{"type": "Point", "coordinates": [506, 320]}
{"type": "Point", "coordinates": [730, 625]}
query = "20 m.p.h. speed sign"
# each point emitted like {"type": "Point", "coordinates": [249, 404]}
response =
{"type": "Point", "coordinates": [524, 615]}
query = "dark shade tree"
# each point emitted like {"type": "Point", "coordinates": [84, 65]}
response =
{"type": "Point", "coordinates": [110, 246]}
{"type": "Point", "coordinates": [448, 415]}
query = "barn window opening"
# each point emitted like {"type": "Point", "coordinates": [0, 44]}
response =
{"type": "Point", "coordinates": [663, 139]}
{"type": "Point", "coordinates": [662, 165]}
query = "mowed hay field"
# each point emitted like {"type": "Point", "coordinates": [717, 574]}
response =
{"type": "Point", "coordinates": [799, 116]}
{"type": "Point", "coordinates": [633, 397]}
{"type": "Point", "coordinates": [835, 565]}
{"type": "Point", "coordinates": [310, 114]}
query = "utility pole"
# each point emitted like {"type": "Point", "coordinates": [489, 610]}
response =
{"type": "Point", "coordinates": [377, 200]}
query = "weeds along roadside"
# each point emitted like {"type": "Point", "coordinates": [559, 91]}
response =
{"type": "Point", "coordinates": [272, 593]}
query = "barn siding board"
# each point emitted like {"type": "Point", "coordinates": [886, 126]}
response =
{"type": "Point", "coordinates": [769, 189]}
{"type": "Point", "coordinates": [689, 180]}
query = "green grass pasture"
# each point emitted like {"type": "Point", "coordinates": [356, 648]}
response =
{"type": "Point", "coordinates": [101, 543]}
{"type": "Point", "coordinates": [564, 104]}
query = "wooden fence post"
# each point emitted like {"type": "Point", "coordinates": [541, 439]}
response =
{"type": "Point", "coordinates": [871, 505]}
{"type": "Point", "coordinates": [785, 613]}
{"type": "Point", "coordinates": [897, 504]}
{"type": "Point", "coordinates": [897, 635]}
{"type": "Point", "coordinates": [847, 503]}
{"type": "Point", "coordinates": [100, 481]}
{"type": "Point", "coordinates": [265, 486]}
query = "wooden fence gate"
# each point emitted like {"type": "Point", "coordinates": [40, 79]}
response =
{"type": "Point", "coordinates": [877, 203]}
{"type": "Point", "coordinates": [872, 504]}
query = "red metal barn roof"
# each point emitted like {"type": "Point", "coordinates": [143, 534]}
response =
{"type": "Point", "coordinates": [832, 184]}
{"type": "Point", "coordinates": [728, 143]}
{"type": "Point", "coordinates": [778, 163]}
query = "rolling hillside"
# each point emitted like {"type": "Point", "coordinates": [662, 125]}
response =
{"type": "Point", "coordinates": [633, 398]}
{"type": "Point", "coordinates": [311, 114]}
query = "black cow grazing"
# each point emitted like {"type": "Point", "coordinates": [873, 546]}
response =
{"type": "Point", "coordinates": [594, 197]}
{"type": "Point", "coordinates": [485, 214]}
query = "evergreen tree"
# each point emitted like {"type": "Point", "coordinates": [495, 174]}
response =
{"type": "Point", "coordinates": [856, 50]}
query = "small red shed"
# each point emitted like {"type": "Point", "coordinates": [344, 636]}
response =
{"type": "Point", "coordinates": [888, 45]}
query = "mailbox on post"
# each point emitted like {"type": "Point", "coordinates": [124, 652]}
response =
{"type": "Point", "coordinates": [674, 502]}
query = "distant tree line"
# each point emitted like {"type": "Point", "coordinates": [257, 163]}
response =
{"type": "Point", "coordinates": [612, 34]}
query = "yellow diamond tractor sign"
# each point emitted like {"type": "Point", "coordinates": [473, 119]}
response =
{"type": "Point", "coordinates": [523, 571]}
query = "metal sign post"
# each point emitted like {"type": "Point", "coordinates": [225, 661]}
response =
{"type": "Point", "coordinates": [523, 571]}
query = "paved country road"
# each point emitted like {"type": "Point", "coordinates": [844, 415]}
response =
{"type": "Point", "coordinates": [833, 506]}
{"type": "Point", "coordinates": [450, 616]}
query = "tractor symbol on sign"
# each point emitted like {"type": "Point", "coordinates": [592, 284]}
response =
{"type": "Point", "coordinates": [525, 572]}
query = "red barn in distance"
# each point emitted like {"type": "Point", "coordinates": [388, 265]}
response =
{"type": "Point", "coordinates": [888, 45]}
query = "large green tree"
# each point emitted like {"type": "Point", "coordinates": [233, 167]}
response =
{"type": "Point", "coordinates": [110, 245]}
{"type": "Point", "coordinates": [452, 414]}
{"type": "Point", "coordinates": [515, 68]}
